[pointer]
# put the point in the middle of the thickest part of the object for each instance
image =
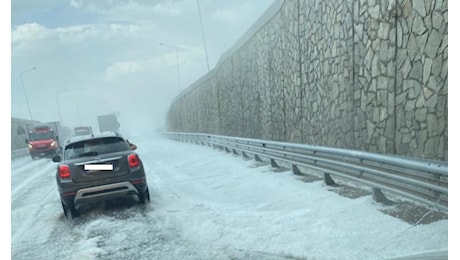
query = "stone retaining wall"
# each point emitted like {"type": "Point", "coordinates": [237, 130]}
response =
{"type": "Point", "coordinates": [366, 75]}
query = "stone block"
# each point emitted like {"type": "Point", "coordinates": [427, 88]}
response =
{"type": "Point", "coordinates": [420, 101]}
{"type": "Point", "coordinates": [413, 145]}
{"type": "Point", "coordinates": [437, 20]}
{"type": "Point", "coordinates": [433, 43]}
{"type": "Point", "coordinates": [410, 119]}
{"type": "Point", "coordinates": [383, 114]}
{"type": "Point", "coordinates": [419, 6]}
{"type": "Point", "coordinates": [384, 29]}
{"type": "Point", "coordinates": [406, 139]}
{"type": "Point", "coordinates": [442, 125]}
{"type": "Point", "coordinates": [420, 114]}
{"type": "Point", "coordinates": [427, 69]}
{"type": "Point", "coordinates": [435, 84]}
{"type": "Point", "coordinates": [437, 66]}
{"type": "Point", "coordinates": [381, 144]}
{"type": "Point", "coordinates": [421, 42]}
{"type": "Point", "coordinates": [412, 47]}
{"type": "Point", "coordinates": [386, 53]}
{"type": "Point", "coordinates": [399, 35]}
{"type": "Point", "coordinates": [401, 98]}
{"type": "Point", "coordinates": [442, 149]}
{"type": "Point", "coordinates": [370, 98]}
{"type": "Point", "coordinates": [430, 148]}
{"type": "Point", "coordinates": [406, 69]}
{"type": "Point", "coordinates": [370, 129]}
{"type": "Point", "coordinates": [410, 105]}
{"type": "Point", "coordinates": [390, 128]}
{"type": "Point", "coordinates": [381, 98]}
{"type": "Point", "coordinates": [382, 82]}
{"type": "Point", "coordinates": [416, 72]}
{"type": "Point", "coordinates": [418, 27]}
{"type": "Point", "coordinates": [432, 125]}
{"type": "Point", "coordinates": [444, 71]}
{"type": "Point", "coordinates": [432, 101]}
{"type": "Point", "coordinates": [407, 9]}
{"type": "Point", "coordinates": [375, 114]}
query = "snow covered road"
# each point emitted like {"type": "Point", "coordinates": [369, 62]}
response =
{"type": "Point", "coordinates": [207, 204]}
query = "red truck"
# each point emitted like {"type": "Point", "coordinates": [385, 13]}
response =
{"type": "Point", "coordinates": [43, 140]}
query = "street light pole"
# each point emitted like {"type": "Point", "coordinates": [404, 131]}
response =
{"type": "Point", "coordinates": [24, 89]}
{"type": "Point", "coordinates": [59, 106]}
{"type": "Point", "coordinates": [177, 60]}
{"type": "Point", "coordinates": [79, 113]}
{"type": "Point", "coordinates": [202, 33]}
{"type": "Point", "coordinates": [83, 97]}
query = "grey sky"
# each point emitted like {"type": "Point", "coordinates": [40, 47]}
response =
{"type": "Point", "coordinates": [98, 57]}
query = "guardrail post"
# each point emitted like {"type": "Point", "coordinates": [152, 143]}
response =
{"type": "Point", "coordinates": [227, 150]}
{"type": "Point", "coordinates": [257, 158]}
{"type": "Point", "coordinates": [328, 180]}
{"type": "Point", "coordinates": [234, 152]}
{"type": "Point", "coordinates": [245, 155]}
{"type": "Point", "coordinates": [378, 196]}
{"type": "Point", "coordinates": [274, 164]}
{"type": "Point", "coordinates": [296, 170]}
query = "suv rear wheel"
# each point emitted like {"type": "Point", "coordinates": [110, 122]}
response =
{"type": "Point", "coordinates": [144, 198]}
{"type": "Point", "coordinates": [69, 212]}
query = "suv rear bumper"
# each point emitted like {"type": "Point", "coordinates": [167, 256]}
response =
{"type": "Point", "coordinates": [103, 192]}
{"type": "Point", "coordinates": [106, 191]}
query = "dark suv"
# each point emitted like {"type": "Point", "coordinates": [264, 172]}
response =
{"type": "Point", "coordinates": [98, 168]}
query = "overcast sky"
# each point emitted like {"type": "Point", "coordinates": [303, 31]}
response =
{"type": "Point", "coordinates": [99, 57]}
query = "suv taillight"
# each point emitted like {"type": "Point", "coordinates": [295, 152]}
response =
{"type": "Point", "coordinates": [133, 160]}
{"type": "Point", "coordinates": [64, 171]}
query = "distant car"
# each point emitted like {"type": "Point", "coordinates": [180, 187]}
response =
{"type": "Point", "coordinates": [98, 168]}
{"type": "Point", "coordinates": [83, 130]}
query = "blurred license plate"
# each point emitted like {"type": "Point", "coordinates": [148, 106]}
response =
{"type": "Point", "coordinates": [98, 167]}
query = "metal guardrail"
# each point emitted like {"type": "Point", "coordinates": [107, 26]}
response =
{"type": "Point", "coordinates": [19, 153]}
{"type": "Point", "coordinates": [424, 181]}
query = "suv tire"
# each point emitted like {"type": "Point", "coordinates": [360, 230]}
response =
{"type": "Point", "coordinates": [70, 213]}
{"type": "Point", "coordinates": [144, 198]}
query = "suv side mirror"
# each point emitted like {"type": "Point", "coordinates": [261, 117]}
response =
{"type": "Point", "coordinates": [56, 158]}
{"type": "Point", "coordinates": [131, 145]}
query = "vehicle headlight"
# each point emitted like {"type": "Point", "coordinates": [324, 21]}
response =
{"type": "Point", "coordinates": [53, 143]}
{"type": "Point", "coordinates": [30, 146]}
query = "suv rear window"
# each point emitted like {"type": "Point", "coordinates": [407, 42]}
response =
{"type": "Point", "coordinates": [94, 147]}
